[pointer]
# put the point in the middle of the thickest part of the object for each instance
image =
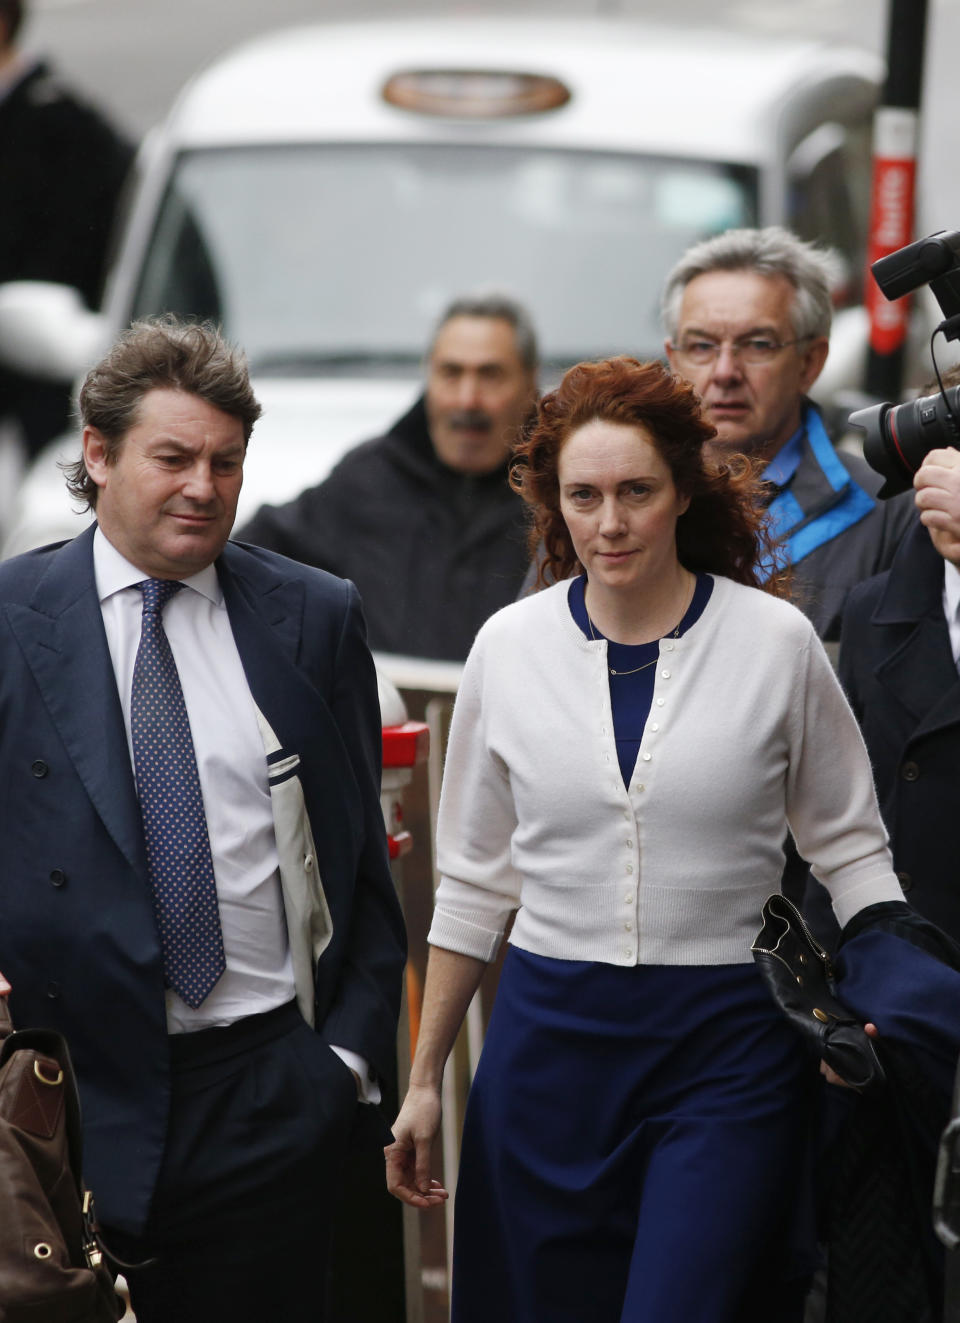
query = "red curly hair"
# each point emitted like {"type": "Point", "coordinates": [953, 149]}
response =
{"type": "Point", "coordinates": [723, 531]}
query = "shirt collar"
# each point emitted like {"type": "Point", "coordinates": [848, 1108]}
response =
{"type": "Point", "coordinates": [787, 459]}
{"type": "Point", "coordinates": [114, 572]}
{"type": "Point", "coordinates": [951, 591]}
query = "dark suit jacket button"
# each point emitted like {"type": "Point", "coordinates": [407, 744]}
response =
{"type": "Point", "coordinates": [39, 768]}
{"type": "Point", "coordinates": [58, 877]}
{"type": "Point", "coordinates": [909, 771]}
{"type": "Point", "coordinates": [905, 880]}
{"type": "Point", "coordinates": [53, 990]}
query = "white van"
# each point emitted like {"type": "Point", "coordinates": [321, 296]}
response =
{"type": "Point", "coordinates": [323, 192]}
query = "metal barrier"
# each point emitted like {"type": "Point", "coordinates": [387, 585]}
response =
{"type": "Point", "coordinates": [406, 745]}
{"type": "Point", "coordinates": [427, 690]}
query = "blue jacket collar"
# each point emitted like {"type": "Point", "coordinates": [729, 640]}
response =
{"type": "Point", "coordinates": [821, 500]}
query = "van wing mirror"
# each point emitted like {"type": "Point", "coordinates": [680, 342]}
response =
{"type": "Point", "coordinates": [812, 150]}
{"type": "Point", "coordinates": [47, 331]}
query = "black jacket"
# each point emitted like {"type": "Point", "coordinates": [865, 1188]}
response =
{"type": "Point", "coordinates": [897, 668]}
{"type": "Point", "coordinates": [899, 674]}
{"type": "Point", "coordinates": [62, 169]}
{"type": "Point", "coordinates": [885, 1264]}
{"type": "Point", "coordinates": [433, 552]}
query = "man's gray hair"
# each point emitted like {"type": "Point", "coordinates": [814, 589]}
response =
{"type": "Point", "coordinates": [503, 308]}
{"type": "Point", "coordinates": [774, 251]}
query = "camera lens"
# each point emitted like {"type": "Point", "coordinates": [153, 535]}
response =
{"type": "Point", "coordinates": [899, 436]}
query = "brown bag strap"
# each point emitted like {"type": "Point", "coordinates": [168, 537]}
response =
{"type": "Point", "coordinates": [6, 1023]}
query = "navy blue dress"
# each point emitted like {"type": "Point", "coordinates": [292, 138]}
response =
{"type": "Point", "coordinates": [635, 1137]}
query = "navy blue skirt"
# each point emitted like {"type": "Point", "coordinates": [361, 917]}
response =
{"type": "Point", "coordinates": [634, 1147]}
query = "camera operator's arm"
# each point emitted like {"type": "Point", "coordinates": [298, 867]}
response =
{"type": "Point", "coordinates": [937, 485]}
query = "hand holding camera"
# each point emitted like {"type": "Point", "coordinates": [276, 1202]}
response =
{"type": "Point", "coordinates": [937, 484]}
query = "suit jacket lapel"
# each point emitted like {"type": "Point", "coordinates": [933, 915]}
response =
{"type": "Point", "coordinates": [266, 615]}
{"type": "Point", "coordinates": [62, 637]}
{"type": "Point", "coordinates": [920, 676]}
{"type": "Point", "coordinates": [919, 673]}
{"type": "Point", "coordinates": [267, 618]}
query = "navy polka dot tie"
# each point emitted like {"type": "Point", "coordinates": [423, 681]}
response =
{"type": "Point", "coordinates": [174, 823]}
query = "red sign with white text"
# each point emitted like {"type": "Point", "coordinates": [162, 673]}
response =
{"type": "Point", "coordinates": [891, 221]}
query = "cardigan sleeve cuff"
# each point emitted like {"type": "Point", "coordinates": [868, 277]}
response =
{"type": "Point", "coordinates": [853, 899]}
{"type": "Point", "coordinates": [453, 932]}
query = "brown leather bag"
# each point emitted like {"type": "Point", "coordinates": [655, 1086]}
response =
{"type": "Point", "coordinates": [51, 1264]}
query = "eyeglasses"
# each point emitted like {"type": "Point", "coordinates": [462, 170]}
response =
{"type": "Point", "coordinates": [750, 349]}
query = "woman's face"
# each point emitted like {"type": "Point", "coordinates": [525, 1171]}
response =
{"type": "Point", "coordinates": [620, 505]}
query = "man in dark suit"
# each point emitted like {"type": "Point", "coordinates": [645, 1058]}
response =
{"type": "Point", "coordinates": [194, 883]}
{"type": "Point", "coordinates": [899, 655]}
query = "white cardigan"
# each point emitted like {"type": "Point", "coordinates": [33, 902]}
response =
{"type": "Point", "coordinates": [748, 733]}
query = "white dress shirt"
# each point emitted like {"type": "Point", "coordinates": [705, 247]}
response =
{"type": "Point", "coordinates": [951, 606]}
{"type": "Point", "coordinates": [232, 768]}
{"type": "Point", "coordinates": [233, 782]}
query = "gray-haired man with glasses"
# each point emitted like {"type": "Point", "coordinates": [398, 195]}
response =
{"type": "Point", "coordinates": [747, 316]}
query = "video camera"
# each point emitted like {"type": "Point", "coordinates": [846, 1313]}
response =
{"type": "Point", "coordinates": [899, 436]}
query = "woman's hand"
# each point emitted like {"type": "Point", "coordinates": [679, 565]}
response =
{"type": "Point", "coordinates": [831, 1076]}
{"type": "Point", "coordinates": [451, 981]}
{"type": "Point", "coordinates": [408, 1157]}
{"type": "Point", "coordinates": [4, 986]}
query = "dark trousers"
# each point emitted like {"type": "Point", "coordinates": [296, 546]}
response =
{"type": "Point", "coordinates": [260, 1116]}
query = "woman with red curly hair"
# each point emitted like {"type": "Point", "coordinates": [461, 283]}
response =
{"type": "Point", "coordinates": [628, 749]}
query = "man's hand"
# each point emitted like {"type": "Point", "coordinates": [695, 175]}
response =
{"type": "Point", "coordinates": [4, 986]}
{"type": "Point", "coordinates": [408, 1157]}
{"type": "Point", "coordinates": [831, 1076]}
{"type": "Point", "coordinates": [937, 486]}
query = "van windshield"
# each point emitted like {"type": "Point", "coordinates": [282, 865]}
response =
{"type": "Point", "coordinates": [340, 258]}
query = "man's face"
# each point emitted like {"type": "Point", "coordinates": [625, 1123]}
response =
{"type": "Point", "coordinates": [168, 500]}
{"type": "Point", "coordinates": [755, 407]}
{"type": "Point", "coordinates": [478, 393]}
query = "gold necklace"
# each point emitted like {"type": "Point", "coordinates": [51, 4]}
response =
{"type": "Point", "coordinates": [674, 635]}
